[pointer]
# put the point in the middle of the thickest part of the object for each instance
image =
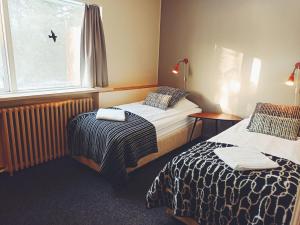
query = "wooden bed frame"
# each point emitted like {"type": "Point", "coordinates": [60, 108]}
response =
{"type": "Point", "coordinates": [165, 145]}
{"type": "Point", "coordinates": [185, 220]}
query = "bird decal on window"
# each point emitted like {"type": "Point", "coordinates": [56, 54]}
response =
{"type": "Point", "coordinates": [53, 36]}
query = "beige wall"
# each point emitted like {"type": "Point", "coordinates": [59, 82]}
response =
{"type": "Point", "coordinates": [131, 30]}
{"type": "Point", "coordinates": [240, 52]}
{"type": "Point", "coordinates": [113, 98]}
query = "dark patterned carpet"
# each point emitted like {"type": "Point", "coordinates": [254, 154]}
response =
{"type": "Point", "coordinates": [64, 192]}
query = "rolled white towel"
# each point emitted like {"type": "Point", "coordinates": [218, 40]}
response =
{"type": "Point", "coordinates": [241, 159]}
{"type": "Point", "coordinates": [111, 114]}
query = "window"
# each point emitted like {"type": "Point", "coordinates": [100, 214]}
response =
{"type": "Point", "coordinates": [3, 69]}
{"type": "Point", "coordinates": [43, 40]}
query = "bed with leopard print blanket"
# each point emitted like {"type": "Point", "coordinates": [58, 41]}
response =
{"type": "Point", "coordinates": [198, 184]}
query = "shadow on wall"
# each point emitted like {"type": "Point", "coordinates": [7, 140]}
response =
{"type": "Point", "coordinates": [234, 76]}
{"type": "Point", "coordinates": [205, 104]}
{"type": "Point", "coordinates": [209, 126]}
{"type": "Point", "coordinates": [228, 71]}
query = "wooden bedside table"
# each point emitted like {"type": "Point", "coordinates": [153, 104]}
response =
{"type": "Point", "coordinates": [214, 116]}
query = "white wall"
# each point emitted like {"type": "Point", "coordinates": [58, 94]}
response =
{"type": "Point", "coordinates": [131, 30]}
{"type": "Point", "coordinates": [241, 52]}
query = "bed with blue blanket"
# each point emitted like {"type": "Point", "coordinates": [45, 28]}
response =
{"type": "Point", "coordinates": [112, 144]}
{"type": "Point", "coordinates": [197, 187]}
{"type": "Point", "coordinates": [115, 147]}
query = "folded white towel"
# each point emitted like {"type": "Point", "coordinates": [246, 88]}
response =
{"type": "Point", "coordinates": [245, 159]}
{"type": "Point", "coordinates": [111, 114]}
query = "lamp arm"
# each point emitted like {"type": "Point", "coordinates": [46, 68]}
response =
{"type": "Point", "coordinates": [185, 61]}
{"type": "Point", "coordinates": [186, 71]}
{"type": "Point", "coordinates": [297, 90]}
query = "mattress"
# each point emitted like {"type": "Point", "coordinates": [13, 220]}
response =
{"type": "Point", "coordinates": [239, 135]}
{"type": "Point", "coordinates": [165, 122]}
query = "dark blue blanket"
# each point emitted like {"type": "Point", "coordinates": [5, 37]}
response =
{"type": "Point", "coordinates": [114, 145]}
{"type": "Point", "coordinates": [198, 184]}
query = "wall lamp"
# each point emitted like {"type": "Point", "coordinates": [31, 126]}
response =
{"type": "Point", "coordinates": [176, 69]}
{"type": "Point", "coordinates": [294, 80]}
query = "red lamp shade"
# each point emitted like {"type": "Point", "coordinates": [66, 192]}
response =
{"type": "Point", "coordinates": [291, 79]}
{"type": "Point", "coordinates": [176, 69]}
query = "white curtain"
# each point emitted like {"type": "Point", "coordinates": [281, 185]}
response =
{"type": "Point", "coordinates": [93, 64]}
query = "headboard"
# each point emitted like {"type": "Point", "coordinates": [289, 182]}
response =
{"type": "Point", "coordinates": [124, 95]}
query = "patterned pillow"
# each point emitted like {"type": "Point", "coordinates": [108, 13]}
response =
{"type": "Point", "coordinates": [176, 94]}
{"type": "Point", "coordinates": [286, 128]}
{"type": "Point", "coordinates": [158, 100]}
{"type": "Point", "coordinates": [276, 120]}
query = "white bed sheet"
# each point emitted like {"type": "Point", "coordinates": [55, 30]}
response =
{"type": "Point", "coordinates": [165, 121]}
{"type": "Point", "coordinates": [240, 136]}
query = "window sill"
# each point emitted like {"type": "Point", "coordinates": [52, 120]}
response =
{"type": "Point", "coordinates": [66, 92]}
{"type": "Point", "coordinates": [43, 94]}
{"type": "Point", "coordinates": [125, 88]}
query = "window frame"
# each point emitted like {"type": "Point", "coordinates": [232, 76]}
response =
{"type": "Point", "coordinates": [10, 79]}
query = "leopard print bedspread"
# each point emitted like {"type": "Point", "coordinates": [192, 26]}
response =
{"type": "Point", "coordinates": [198, 184]}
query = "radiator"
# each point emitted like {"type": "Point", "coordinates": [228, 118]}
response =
{"type": "Point", "coordinates": [35, 134]}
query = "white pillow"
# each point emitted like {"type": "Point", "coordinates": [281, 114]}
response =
{"type": "Point", "coordinates": [185, 104]}
{"type": "Point", "coordinates": [111, 114]}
